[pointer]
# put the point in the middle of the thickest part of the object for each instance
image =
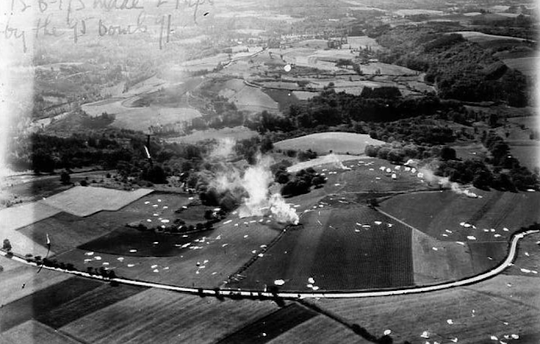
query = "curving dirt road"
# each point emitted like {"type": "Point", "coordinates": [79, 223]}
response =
{"type": "Point", "coordinates": [301, 295]}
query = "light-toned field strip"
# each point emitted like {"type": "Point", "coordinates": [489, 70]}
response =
{"type": "Point", "coordinates": [13, 218]}
{"type": "Point", "coordinates": [301, 295]}
{"type": "Point", "coordinates": [83, 201]}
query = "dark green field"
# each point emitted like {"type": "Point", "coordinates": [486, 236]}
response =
{"type": "Point", "coordinates": [41, 302]}
{"type": "Point", "coordinates": [337, 253]}
{"type": "Point", "coordinates": [123, 240]}
{"type": "Point", "coordinates": [267, 328]}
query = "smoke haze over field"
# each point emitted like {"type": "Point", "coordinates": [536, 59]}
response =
{"type": "Point", "coordinates": [334, 160]}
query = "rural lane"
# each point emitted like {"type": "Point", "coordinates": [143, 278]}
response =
{"type": "Point", "coordinates": [301, 295]}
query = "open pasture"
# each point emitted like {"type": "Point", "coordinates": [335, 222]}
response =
{"type": "Point", "coordinates": [526, 65]}
{"type": "Point", "coordinates": [337, 142]}
{"type": "Point", "coordinates": [530, 122]}
{"type": "Point", "coordinates": [491, 41]}
{"type": "Point", "coordinates": [284, 98]}
{"type": "Point", "coordinates": [500, 307]}
{"type": "Point", "coordinates": [470, 151]}
{"type": "Point", "coordinates": [528, 155]}
{"type": "Point", "coordinates": [448, 216]}
{"type": "Point", "coordinates": [330, 160]}
{"type": "Point", "coordinates": [237, 133]}
{"type": "Point", "coordinates": [367, 175]}
{"type": "Point", "coordinates": [84, 201]}
{"type": "Point", "coordinates": [386, 69]}
{"type": "Point", "coordinates": [357, 42]}
{"type": "Point", "coordinates": [349, 247]}
{"type": "Point", "coordinates": [253, 99]}
{"type": "Point", "coordinates": [157, 316]}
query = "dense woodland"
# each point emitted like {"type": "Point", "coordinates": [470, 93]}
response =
{"type": "Point", "coordinates": [460, 69]}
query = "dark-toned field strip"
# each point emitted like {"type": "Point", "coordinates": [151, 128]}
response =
{"type": "Point", "coordinates": [272, 325]}
{"type": "Point", "coordinates": [63, 302]}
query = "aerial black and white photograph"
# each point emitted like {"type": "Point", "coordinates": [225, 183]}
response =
{"type": "Point", "coordinates": [269, 171]}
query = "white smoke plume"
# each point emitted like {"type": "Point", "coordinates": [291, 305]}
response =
{"type": "Point", "coordinates": [334, 160]}
{"type": "Point", "coordinates": [253, 187]}
{"type": "Point", "coordinates": [224, 149]}
{"type": "Point", "coordinates": [430, 176]}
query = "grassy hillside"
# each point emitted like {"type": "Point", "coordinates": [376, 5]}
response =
{"type": "Point", "coordinates": [323, 143]}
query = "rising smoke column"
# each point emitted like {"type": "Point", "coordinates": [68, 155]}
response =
{"type": "Point", "coordinates": [251, 186]}
{"type": "Point", "coordinates": [259, 202]}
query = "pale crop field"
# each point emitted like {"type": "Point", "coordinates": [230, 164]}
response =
{"type": "Point", "coordinates": [437, 261]}
{"type": "Point", "coordinates": [84, 201]}
{"type": "Point", "coordinates": [35, 332]}
{"type": "Point", "coordinates": [337, 142]}
{"type": "Point", "coordinates": [237, 133]}
{"type": "Point", "coordinates": [480, 37]}
{"type": "Point", "coordinates": [14, 218]}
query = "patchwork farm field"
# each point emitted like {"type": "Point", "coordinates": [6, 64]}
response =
{"type": "Point", "coordinates": [341, 248]}
{"type": "Point", "coordinates": [35, 332]}
{"type": "Point", "coordinates": [157, 316]}
{"type": "Point", "coordinates": [44, 300]}
{"type": "Point", "coordinates": [323, 143]}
